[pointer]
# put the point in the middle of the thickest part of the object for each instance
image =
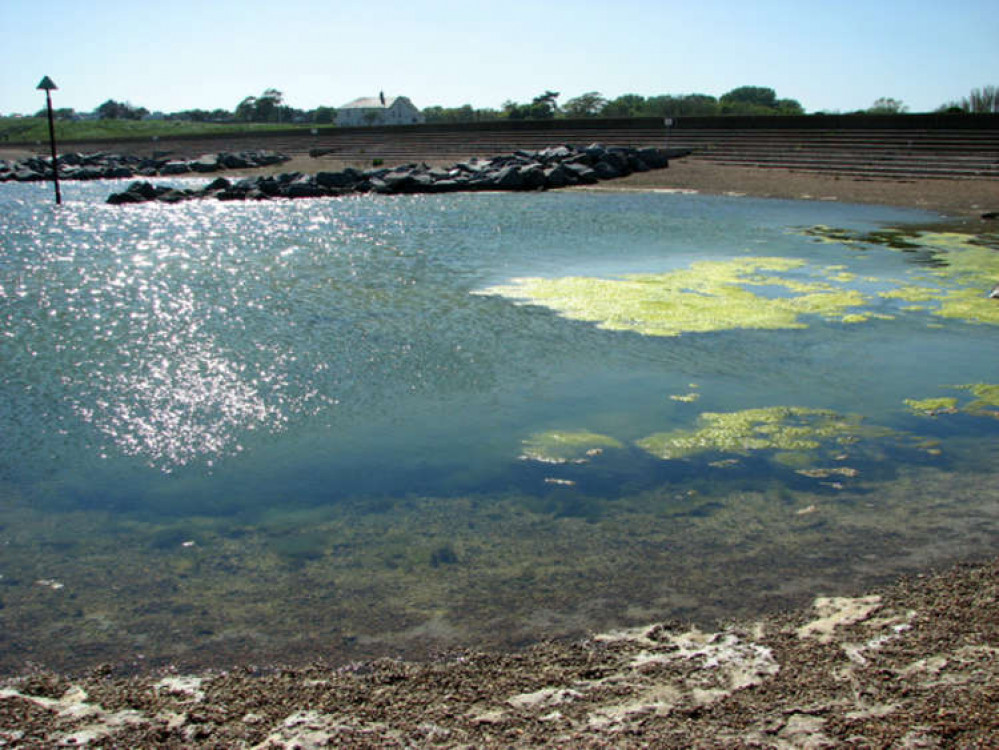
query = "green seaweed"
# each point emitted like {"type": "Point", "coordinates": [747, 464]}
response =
{"type": "Point", "coordinates": [686, 398]}
{"type": "Point", "coordinates": [965, 266]}
{"type": "Point", "coordinates": [706, 296]}
{"type": "Point", "coordinates": [986, 403]}
{"type": "Point", "coordinates": [930, 407]}
{"type": "Point", "coordinates": [560, 447]}
{"type": "Point", "coordinates": [786, 429]}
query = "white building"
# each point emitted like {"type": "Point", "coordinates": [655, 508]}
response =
{"type": "Point", "coordinates": [378, 110]}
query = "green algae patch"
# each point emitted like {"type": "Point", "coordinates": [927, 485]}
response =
{"type": "Point", "coordinates": [986, 403]}
{"type": "Point", "coordinates": [706, 296]}
{"type": "Point", "coordinates": [970, 305]}
{"type": "Point", "coordinates": [686, 398]}
{"type": "Point", "coordinates": [786, 429]}
{"type": "Point", "coordinates": [930, 407]}
{"type": "Point", "coordinates": [962, 266]}
{"type": "Point", "coordinates": [913, 293]}
{"type": "Point", "coordinates": [561, 447]}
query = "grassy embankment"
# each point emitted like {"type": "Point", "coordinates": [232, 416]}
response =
{"type": "Point", "coordinates": [31, 129]}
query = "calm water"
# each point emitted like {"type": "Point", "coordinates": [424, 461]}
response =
{"type": "Point", "coordinates": [284, 430]}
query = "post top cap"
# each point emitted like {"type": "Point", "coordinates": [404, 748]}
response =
{"type": "Point", "coordinates": [47, 84]}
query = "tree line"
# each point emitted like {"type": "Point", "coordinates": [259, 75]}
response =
{"type": "Point", "coordinates": [270, 107]}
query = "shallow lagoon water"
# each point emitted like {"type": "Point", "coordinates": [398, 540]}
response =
{"type": "Point", "coordinates": [349, 427]}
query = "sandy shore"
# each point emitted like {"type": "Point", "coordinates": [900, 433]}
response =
{"type": "Point", "coordinates": [915, 665]}
{"type": "Point", "coordinates": [952, 197]}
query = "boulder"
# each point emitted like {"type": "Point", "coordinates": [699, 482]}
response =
{"type": "Point", "coordinates": [206, 163]}
{"type": "Point", "coordinates": [653, 158]}
{"type": "Point", "coordinates": [234, 161]}
{"type": "Point", "coordinates": [560, 176]}
{"type": "Point", "coordinates": [584, 175]}
{"type": "Point", "coordinates": [605, 170]}
{"type": "Point", "coordinates": [508, 178]}
{"type": "Point", "coordinates": [118, 173]}
{"type": "Point", "coordinates": [219, 183]}
{"type": "Point", "coordinates": [533, 176]}
{"type": "Point", "coordinates": [343, 179]}
{"type": "Point", "coordinates": [175, 167]}
{"type": "Point", "coordinates": [554, 167]}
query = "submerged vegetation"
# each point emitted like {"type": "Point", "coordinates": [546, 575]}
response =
{"type": "Point", "coordinates": [956, 269]}
{"type": "Point", "coordinates": [559, 447]}
{"type": "Point", "coordinates": [985, 404]}
{"type": "Point", "coordinates": [707, 296]}
{"type": "Point", "coordinates": [791, 429]}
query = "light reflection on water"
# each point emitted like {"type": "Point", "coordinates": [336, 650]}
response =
{"type": "Point", "coordinates": [252, 361]}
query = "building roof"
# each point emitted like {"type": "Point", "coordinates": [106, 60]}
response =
{"type": "Point", "coordinates": [371, 102]}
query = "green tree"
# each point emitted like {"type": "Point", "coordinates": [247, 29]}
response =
{"type": "Point", "coordinates": [748, 98]}
{"type": "Point", "coordinates": [542, 107]}
{"type": "Point", "coordinates": [626, 105]}
{"type": "Point", "coordinates": [886, 106]}
{"type": "Point", "coordinates": [112, 110]}
{"type": "Point", "coordinates": [62, 113]}
{"type": "Point", "coordinates": [789, 107]}
{"type": "Point", "coordinates": [268, 107]}
{"type": "Point", "coordinates": [985, 99]}
{"type": "Point", "coordinates": [589, 104]}
{"type": "Point", "coordinates": [324, 115]}
{"type": "Point", "coordinates": [246, 110]}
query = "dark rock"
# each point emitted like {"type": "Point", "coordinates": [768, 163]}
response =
{"type": "Point", "coordinates": [143, 189]}
{"type": "Point", "coordinates": [219, 183]}
{"type": "Point", "coordinates": [303, 190]}
{"type": "Point", "coordinates": [637, 165]}
{"type": "Point", "coordinates": [206, 163]}
{"type": "Point", "coordinates": [585, 175]}
{"type": "Point", "coordinates": [554, 167]}
{"type": "Point", "coordinates": [234, 161]}
{"type": "Point", "coordinates": [118, 173]}
{"type": "Point", "coordinates": [118, 199]}
{"type": "Point", "coordinates": [174, 195]}
{"type": "Point", "coordinates": [509, 178]}
{"type": "Point", "coordinates": [560, 176]}
{"type": "Point", "coordinates": [555, 154]}
{"type": "Point", "coordinates": [606, 170]}
{"type": "Point", "coordinates": [533, 176]}
{"type": "Point", "coordinates": [337, 179]}
{"type": "Point", "coordinates": [653, 158]}
{"type": "Point", "coordinates": [28, 175]}
{"type": "Point", "coordinates": [175, 167]}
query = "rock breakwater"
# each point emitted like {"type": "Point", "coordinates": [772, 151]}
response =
{"type": "Point", "coordinates": [550, 168]}
{"type": "Point", "coordinates": [106, 166]}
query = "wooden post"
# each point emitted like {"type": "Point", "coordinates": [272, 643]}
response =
{"type": "Point", "coordinates": [47, 85]}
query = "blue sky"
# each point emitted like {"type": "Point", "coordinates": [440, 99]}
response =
{"type": "Point", "coordinates": [181, 54]}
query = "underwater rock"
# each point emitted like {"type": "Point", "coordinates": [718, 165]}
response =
{"type": "Point", "coordinates": [548, 169]}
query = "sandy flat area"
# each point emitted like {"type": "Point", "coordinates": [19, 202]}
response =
{"type": "Point", "coordinates": [952, 197]}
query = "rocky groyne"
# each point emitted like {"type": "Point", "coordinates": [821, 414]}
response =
{"type": "Point", "coordinates": [107, 166]}
{"type": "Point", "coordinates": [550, 168]}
